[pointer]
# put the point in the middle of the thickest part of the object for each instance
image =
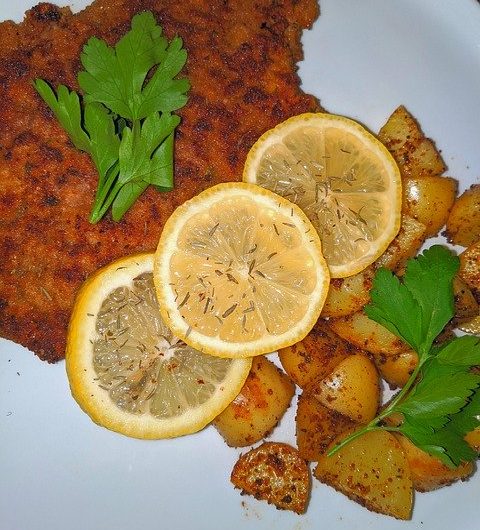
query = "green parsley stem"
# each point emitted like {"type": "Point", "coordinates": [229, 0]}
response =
{"type": "Point", "coordinates": [373, 425]}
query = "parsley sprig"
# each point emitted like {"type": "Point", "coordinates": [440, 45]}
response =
{"type": "Point", "coordinates": [440, 403]}
{"type": "Point", "coordinates": [125, 121]}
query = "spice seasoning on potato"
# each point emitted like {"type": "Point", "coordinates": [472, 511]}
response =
{"type": "Point", "coordinates": [316, 355]}
{"type": "Point", "coordinates": [317, 426]}
{"type": "Point", "coordinates": [415, 154]}
{"type": "Point", "coordinates": [259, 406]}
{"type": "Point", "coordinates": [373, 471]}
{"type": "Point", "coordinates": [276, 473]}
{"type": "Point", "coordinates": [352, 389]}
{"type": "Point", "coordinates": [367, 334]}
{"type": "Point", "coordinates": [463, 224]}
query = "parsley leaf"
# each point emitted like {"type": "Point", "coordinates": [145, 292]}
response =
{"type": "Point", "coordinates": [468, 418]}
{"type": "Point", "coordinates": [138, 148]}
{"type": "Point", "coordinates": [96, 136]}
{"type": "Point", "coordinates": [440, 402]}
{"type": "Point", "coordinates": [104, 142]}
{"type": "Point", "coordinates": [429, 278]}
{"type": "Point", "coordinates": [440, 391]}
{"type": "Point", "coordinates": [115, 77]}
{"type": "Point", "coordinates": [163, 92]}
{"type": "Point", "coordinates": [125, 122]}
{"type": "Point", "coordinates": [463, 351]}
{"type": "Point", "coordinates": [419, 308]}
{"type": "Point", "coordinates": [387, 295]}
{"type": "Point", "coordinates": [146, 157]}
{"type": "Point", "coordinates": [66, 107]}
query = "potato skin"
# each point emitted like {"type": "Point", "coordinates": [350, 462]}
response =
{"type": "Point", "coordinates": [415, 154]}
{"type": "Point", "coordinates": [429, 200]}
{"type": "Point", "coordinates": [372, 470]}
{"type": "Point", "coordinates": [259, 406]}
{"type": "Point", "coordinates": [352, 389]}
{"type": "Point", "coordinates": [315, 356]}
{"type": "Point", "coordinates": [429, 473]}
{"type": "Point", "coordinates": [348, 295]}
{"type": "Point", "coordinates": [276, 473]}
{"type": "Point", "coordinates": [367, 334]}
{"type": "Point", "coordinates": [317, 426]}
{"type": "Point", "coordinates": [463, 223]}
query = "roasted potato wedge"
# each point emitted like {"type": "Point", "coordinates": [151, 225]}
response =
{"type": "Point", "coordinates": [352, 389]}
{"type": "Point", "coordinates": [463, 223]}
{"type": "Point", "coordinates": [317, 426]}
{"type": "Point", "coordinates": [348, 295]}
{"type": "Point", "coordinates": [415, 154]}
{"type": "Point", "coordinates": [372, 470]}
{"type": "Point", "coordinates": [276, 473]}
{"type": "Point", "coordinates": [396, 369]}
{"type": "Point", "coordinates": [429, 200]}
{"type": "Point", "coordinates": [470, 266]}
{"type": "Point", "coordinates": [365, 333]}
{"type": "Point", "coordinates": [429, 473]}
{"type": "Point", "coordinates": [315, 356]}
{"type": "Point", "coordinates": [406, 244]}
{"type": "Point", "coordinates": [257, 409]}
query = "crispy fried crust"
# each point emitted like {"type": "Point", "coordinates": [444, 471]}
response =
{"type": "Point", "coordinates": [242, 68]}
{"type": "Point", "coordinates": [274, 472]}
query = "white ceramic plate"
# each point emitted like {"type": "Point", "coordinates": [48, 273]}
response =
{"type": "Point", "coordinates": [60, 471]}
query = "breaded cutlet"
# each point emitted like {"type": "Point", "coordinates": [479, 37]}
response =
{"type": "Point", "coordinates": [242, 59]}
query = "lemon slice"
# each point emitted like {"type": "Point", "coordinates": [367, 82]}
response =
{"type": "Point", "coordinates": [128, 371]}
{"type": "Point", "coordinates": [239, 272]}
{"type": "Point", "coordinates": [341, 176]}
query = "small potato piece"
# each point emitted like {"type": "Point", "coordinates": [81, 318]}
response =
{"type": "Point", "coordinates": [371, 470]}
{"type": "Point", "coordinates": [415, 154]}
{"type": "Point", "coordinates": [352, 389]}
{"type": "Point", "coordinates": [470, 266]}
{"type": "Point", "coordinates": [257, 409]}
{"type": "Point", "coordinates": [463, 223]}
{"type": "Point", "coordinates": [317, 426]}
{"type": "Point", "coordinates": [367, 334]}
{"type": "Point", "coordinates": [429, 200]}
{"type": "Point", "coordinates": [429, 473]}
{"type": "Point", "coordinates": [396, 369]}
{"type": "Point", "coordinates": [406, 244]}
{"type": "Point", "coordinates": [276, 473]}
{"type": "Point", "coordinates": [348, 295]}
{"type": "Point", "coordinates": [315, 356]}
